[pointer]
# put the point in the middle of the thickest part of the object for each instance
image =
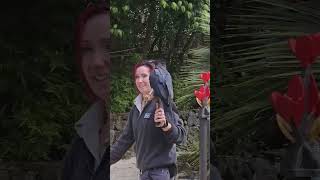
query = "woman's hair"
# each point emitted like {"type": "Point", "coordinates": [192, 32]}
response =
{"type": "Point", "coordinates": [92, 9]}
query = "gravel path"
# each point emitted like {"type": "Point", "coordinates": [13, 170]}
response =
{"type": "Point", "coordinates": [124, 169]}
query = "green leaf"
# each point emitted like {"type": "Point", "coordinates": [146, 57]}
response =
{"type": "Point", "coordinates": [163, 4]}
{"type": "Point", "coordinates": [120, 32]}
{"type": "Point", "coordinates": [183, 9]}
{"type": "Point", "coordinates": [125, 8]}
{"type": "Point", "coordinates": [114, 10]}
{"type": "Point", "coordinates": [189, 14]}
{"type": "Point", "coordinates": [206, 7]}
{"type": "Point", "coordinates": [174, 6]}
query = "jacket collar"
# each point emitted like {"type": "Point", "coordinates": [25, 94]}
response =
{"type": "Point", "coordinates": [138, 101]}
{"type": "Point", "coordinates": [88, 128]}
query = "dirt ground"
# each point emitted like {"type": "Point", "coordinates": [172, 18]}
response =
{"type": "Point", "coordinates": [125, 169]}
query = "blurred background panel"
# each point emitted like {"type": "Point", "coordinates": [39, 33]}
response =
{"type": "Point", "coordinates": [40, 91]}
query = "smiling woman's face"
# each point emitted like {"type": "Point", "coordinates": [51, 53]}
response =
{"type": "Point", "coordinates": [142, 79]}
{"type": "Point", "coordinates": [95, 53]}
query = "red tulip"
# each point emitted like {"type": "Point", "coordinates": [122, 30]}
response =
{"type": "Point", "coordinates": [205, 76]}
{"type": "Point", "coordinates": [295, 88]}
{"type": "Point", "coordinates": [282, 105]}
{"type": "Point", "coordinates": [306, 48]}
{"type": "Point", "coordinates": [296, 95]}
{"type": "Point", "coordinates": [291, 105]}
{"type": "Point", "coordinates": [203, 92]}
{"type": "Point", "coordinates": [199, 94]}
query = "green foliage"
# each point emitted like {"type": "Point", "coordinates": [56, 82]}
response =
{"type": "Point", "coordinates": [189, 77]}
{"type": "Point", "coordinates": [187, 99]}
{"type": "Point", "coordinates": [165, 29]}
{"type": "Point", "coordinates": [123, 89]}
{"type": "Point", "coordinates": [190, 157]}
{"type": "Point", "coordinates": [122, 93]}
{"type": "Point", "coordinates": [197, 61]}
{"type": "Point", "coordinates": [257, 61]}
{"type": "Point", "coordinates": [41, 95]}
{"type": "Point", "coordinates": [38, 123]}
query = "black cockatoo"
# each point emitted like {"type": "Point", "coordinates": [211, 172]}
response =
{"type": "Point", "coordinates": [161, 83]}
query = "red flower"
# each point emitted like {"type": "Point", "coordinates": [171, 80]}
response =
{"type": "Point", "coordinates": [282, 105]}
{"type": "Point", "coordinates": [306, 48]}
{"type": "Point", "coordinates": [203, 92]}
{"type": "Point", "coordinates": [291, 105]}
{"type": "Point", "coordinates": [199, 95]}
{"type": "Point", "coordinates": [205, 76]}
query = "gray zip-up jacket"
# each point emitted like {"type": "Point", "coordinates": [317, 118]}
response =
{"type": "Point", "coordinates": [154, 147]}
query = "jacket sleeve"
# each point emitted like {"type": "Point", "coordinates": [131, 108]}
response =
{"type": "Point", "coordinates": [177, 134]}
{"type": "Point", "coordinates": [125, 141]}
